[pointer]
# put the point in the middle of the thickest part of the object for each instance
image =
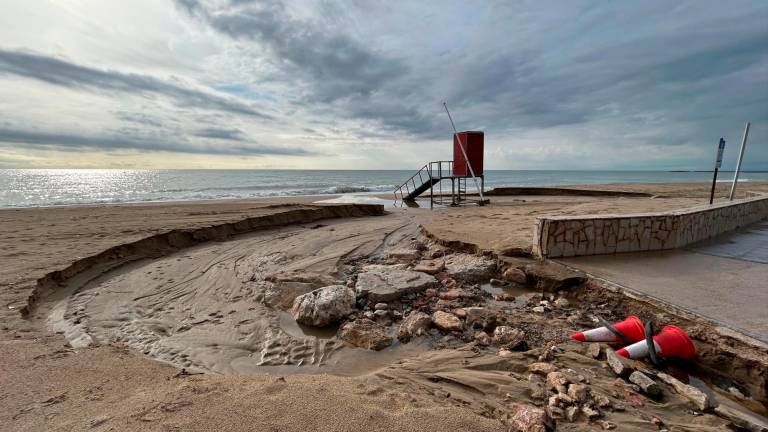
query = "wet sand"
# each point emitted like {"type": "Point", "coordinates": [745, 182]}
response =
{"type": "Point", "coordinates": [218, 317]}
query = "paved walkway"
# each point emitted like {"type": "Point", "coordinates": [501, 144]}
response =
{"type": "Point", "coordinates": [723, 279]}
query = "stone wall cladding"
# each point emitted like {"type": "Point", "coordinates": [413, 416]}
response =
{"type": "Point", "coordinates": [566, 236]}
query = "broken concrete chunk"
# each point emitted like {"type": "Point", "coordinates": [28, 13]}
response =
{"type": "Point", "coordinates": [646, 384]}
{"type": "Point", "coordinates": [446, 321]}
{"type": "Point", "coordinates": [403, 254]}
{"type": "Point", "coordinates": [528, 418]}
{"type": "Point", "coordinates": [617, 363]}
{"type": "Point", "coordinates": [508, 336]}
{"type": "Point", "coordinates": [578, 392]}
{"type": "Point", "coordinates": [324, 306]}
{"type": "Point", "coordinates": [430, 266]}
{"type": "Point", "coordinates": [415, 324]}
{"type": "Point", "coordinates": [700, 400]}
{"type": "Point", "coordinates": [515, 275]}
{"type": "Point", "coordinates": [742, 419]}
{"type": "Point", "coordinates": [470, 268]}
{"type": "Point", "coordinates": [594, 350]}
{"type": "Point", "coordinates": [365, 333]}
{"type": "Point", "coordinates": [385, 283]}
{"type": "Point", "coordinates": [551, 277]}
{"type": "Point", "coordinates": [541, 368]}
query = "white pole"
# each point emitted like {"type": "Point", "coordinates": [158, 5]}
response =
{"type": "Point", "coordinates": [738, 164]}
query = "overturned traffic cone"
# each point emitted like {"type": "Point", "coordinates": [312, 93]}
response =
{"type": "Point", "coordinates": [631, 328]}
{"type": "Point", "coordinates": [670, 342]}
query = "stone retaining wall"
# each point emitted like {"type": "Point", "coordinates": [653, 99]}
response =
{"type": "Point", "coordinates": [565, 236]}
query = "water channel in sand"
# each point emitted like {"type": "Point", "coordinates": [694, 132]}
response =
{"type": "Point", "coordinates": [221, 306]}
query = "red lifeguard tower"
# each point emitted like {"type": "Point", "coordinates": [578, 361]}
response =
{"type": "Point", "coordinates": [467, 163]}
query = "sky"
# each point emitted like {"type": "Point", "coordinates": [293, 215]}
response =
{"type": "Point", "coordinates": [326, 84]}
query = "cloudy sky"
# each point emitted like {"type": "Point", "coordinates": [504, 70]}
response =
{"type": "Point", "coordinates": [359, 84]}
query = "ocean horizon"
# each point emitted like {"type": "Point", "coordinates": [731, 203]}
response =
{"type": "Point", "coordinates": [63, 187]}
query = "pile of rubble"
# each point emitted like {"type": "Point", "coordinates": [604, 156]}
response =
{"type": "Point", "coordinates": [429, 293]}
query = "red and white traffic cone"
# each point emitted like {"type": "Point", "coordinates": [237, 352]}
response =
{"type": "Point", "coordinates": [670, 342]}
{"type": "Point", "coordinates": [631, 328]}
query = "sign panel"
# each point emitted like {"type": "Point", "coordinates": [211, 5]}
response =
{"type": "Point", "coordinates": [720, 149]}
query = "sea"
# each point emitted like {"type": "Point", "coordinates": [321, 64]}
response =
{"type": "Point", "coordinates": [63, 187]}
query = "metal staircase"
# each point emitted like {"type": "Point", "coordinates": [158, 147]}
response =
{"type": "Point", "coordinates": [425, 178]}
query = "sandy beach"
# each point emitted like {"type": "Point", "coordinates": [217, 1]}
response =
{"type": "Point", "coordinates": [176, 316]}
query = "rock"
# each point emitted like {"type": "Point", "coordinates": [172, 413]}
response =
{"type": "Point", "coordinates": [503, 297]}
{"type": "Point", "coordinates": [381, 314]}
{"type": "Point", "coordinates": [560, 400]}
{"type": "Point", "coordinates": [617, 363]}
{"type": "Point", "coordinates": [571, 413]}
{"type": "Point", "coordinates": [380, 306]}
{"type": "Point", "coordinates": [590, 412]}
{"type": "Point", "coordinates": [508, 336]}
{"type": "Point", "coordinates": [742, 419]}
{"type": "Point", "coordinates": [562, 303]}
{"type": "Point", "coordinates": [397, 315]}
{"type": "Point", "coordinates": [475, 314]}
{"type": "Point", "coordinates": [515, 275]}
{"type": "Point", "coordinates": [403, 254]}
{"type": "Point", "coordinates": [555, 412]}
{"type": "Point", "coordinates": [324, 306]}
{"type": "Point", "coordinates": [460, 312]}
{"type": "Point", "coordinates": [482, 338]}
{"type": "Point", "coordinates": [430, 292]}
{"type": "Point", "coordinates": [647, 385]}
{"type": "Point", "coordinates": [539, 309]}
{"type": "Point", "coordinates": [497, 282]}
{"type": "Point", "coordinates": [451, 294]}
{"type": "Point", "coordinates": [578, 392]}
{"type": "Point", "coordinates": [429, 266]}
{"type": "Point", "coordinates": [415, 324]}
{"type": "Point", "coordinates": [551, 277]}
{"type": "Point", "coordinates": [528, 418]}
{"type": "Point", "coordinates": [365, 333]}
{"type": "Point", "coordinates": [536, 386]}
{"type": "Point", "coordinates": [505, 353]}
{"type": "Point", "coordinates": [541, 368]}
{"type": "Point", "coordinates": [701, 400]}
{"type": "Point", "coordinates": [383, 284]}
{"type": "Point", "coordinates": [446, 322]}
{"type": "Point", "coordinates": [369, 315]}
{"type": "Point", "coordinates": [601, 400]}
{"type": "Point", "coordinates": [608, 425]}
{"type": "Point", "coordinates": [470, 268]}
{"type": "Point", "coordinates": [557, 381]}
{"type": "Point", "coordinates": [594, 350]}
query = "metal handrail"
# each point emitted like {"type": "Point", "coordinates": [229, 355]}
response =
{"type": "Point", "coordinates": [429, 168]}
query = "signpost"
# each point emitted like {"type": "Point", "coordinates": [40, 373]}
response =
{"type": "Point", "coordinates": [738, 164]}
{"type": "Point", "coordinates": [718, 164]}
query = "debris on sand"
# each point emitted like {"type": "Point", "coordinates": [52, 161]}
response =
{"type": "Point", "coordinates": [387, 283]}
{"type": "Point", "coordinates": [324, 306]}
{"type": "Point", "coordinates": [470, 268]}
{"type": "Point", "coordinates": [447, 322]}
{"type": "Point", "coordinates": [700, 400]}
{"type": "Point", "coordinates": [415, 324]}
{"type": "Point", "coordinates": [528, 418]}
{"type": "Point", "coordinates": [365, 333]}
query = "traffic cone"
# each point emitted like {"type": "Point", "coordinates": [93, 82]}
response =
{"type": "Point", "coordinates": [631, 328]}
{"type": "Point", "coordinates": [670, 342]}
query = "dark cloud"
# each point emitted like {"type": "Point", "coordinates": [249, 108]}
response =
{"type": "Point", "coordinates": [128, 139]}
{"type": "Point", "coordinates": [63, 73]}
{"type": "Point", "coordinates": [219, 133]}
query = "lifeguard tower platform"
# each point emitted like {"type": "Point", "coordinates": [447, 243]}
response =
{"type": "Point", "coordinates": [467, 163]}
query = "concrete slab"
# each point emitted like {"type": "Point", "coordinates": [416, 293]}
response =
{"type": "Point", "coordinates": [724, 280]}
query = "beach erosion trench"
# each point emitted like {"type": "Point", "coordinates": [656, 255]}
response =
{"type": "Point", "coordinates": [174, 240]}
{"type": "Point", "coordinates": [570, 236]}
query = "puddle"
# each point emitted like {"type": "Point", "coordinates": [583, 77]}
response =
{"type": "Point", "coordinates": [297, 330]}
{"type": "Point", "coordinates": [521, 293]}
{"type": "Point", "coordinates": [359, 199]}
